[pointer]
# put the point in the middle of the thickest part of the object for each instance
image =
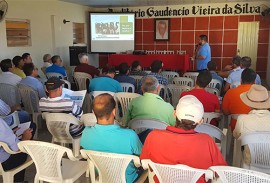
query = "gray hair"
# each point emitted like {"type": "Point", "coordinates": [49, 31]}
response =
{"type": "Point", "coordinates": [81, 56]}
{"type": "Point", "coordinates": [45, 57]}
{"type": "Point", "coordinates": [149, 83]}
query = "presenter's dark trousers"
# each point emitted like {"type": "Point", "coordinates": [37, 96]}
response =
{"type": "Point", "coordinates": [14, 161]}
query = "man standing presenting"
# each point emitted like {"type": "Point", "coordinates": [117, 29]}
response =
{"type": "Point", "coordinates": [203, 53]}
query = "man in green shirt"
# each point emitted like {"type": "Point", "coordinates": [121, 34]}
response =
{"type": "Point", "coordinates": [150, 105]}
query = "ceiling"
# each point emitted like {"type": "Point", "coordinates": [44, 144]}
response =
{"type": "Point", "coordinates": [128, 3]}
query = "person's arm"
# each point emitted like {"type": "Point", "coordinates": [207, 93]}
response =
{"type": "Point", "coordinates": [4, 108]}
{"type": "Point", "coordinates": [41, 91]}
{"type": "Point", "coordinates": [201, 54]}
{"type": "Point", "coordinates": [76, 110]}
{"type": "Point", "coordinates": [136, 144]}
{"type": "Point", "coordinates": [217, 104]}
{"type": "Point", "coordinates": [146, 147]}
{"type": "Point", "coordinates": [217, 158]}
{"type": "Point", "coordinates": [226, 87]}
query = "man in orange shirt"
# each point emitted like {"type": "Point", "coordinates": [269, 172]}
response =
{"type": "Point", "coordinates": [232, 103]}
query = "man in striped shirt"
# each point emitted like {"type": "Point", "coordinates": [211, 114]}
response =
{"type": "Point", "coordinates": [56, 104]}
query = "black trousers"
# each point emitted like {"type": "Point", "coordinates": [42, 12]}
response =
{"type": "Point", "coordinates": [14, 161]}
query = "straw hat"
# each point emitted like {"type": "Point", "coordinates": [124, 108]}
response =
{"type": "Point", "coordinates": [257, 97]}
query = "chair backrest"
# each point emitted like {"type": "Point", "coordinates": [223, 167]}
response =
{"type": "Point", "coordinates": [175, 91]}
{"type": "Point", "coordinates": [124, 99]}
{"type": "Point", "coordinates": [140, 125]}
{"type": "Point", "coordinates": [233, 174]}
{"type": "Point", "coordinates": [67, 84]}
{"type": "Point", "coordinates": [162, 92]}
{"type": "Point", "coordinates": [54, 74]}
{"type": "Point", "coordinates": [259, 146]}
{"type": "Point", "coordinates": [58, 125]}
{"type": "Point", "coordinates": [211, 130]}
{"type": "Point", "coordinates": [183, 81]}
{"type": "Point", "coordinates": [111, 167]}
{"type": "Point", "coordinates": [192, 75]}
{"type": "Point", "coordinates": [127, 87]}
{"type": "Point", "coordinates": [81, 80]}
{"type": "Point", "coordinates": [174, 173]}
{"type": "Point", "coordinates": [10, 94]}
{"type": "Point", "coordinates": [214, 91]}
{"type": "Point", "coordinates": [6, 149]}
{"type": "Point", "coordinates": [150, 51]}
{"type": "Point", "coordinates": [215, 83]}
{"type": "Point", "coordinates": [137, 79]}
{"type": "Point", "coordinates": [29, 98]}
{"type": "Point", "coordinates": [47, 158]}
{"type": "Point", "coordinates": [208, 116]}
{"type": "Point", "coordinates": [170, 75]}
{"type": "Point", "coordinates": [93, 94]}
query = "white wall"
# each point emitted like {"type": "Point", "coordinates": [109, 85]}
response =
{"type": "Point", "coordinates": [49, 34]}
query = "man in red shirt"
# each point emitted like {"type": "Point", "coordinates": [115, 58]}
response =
{"type": "Point", "coordinates": [85, 67]}
{"type": "Point", "coordinates": [182, 144]}
{"type": "Point", "coordinates": [210, 101]}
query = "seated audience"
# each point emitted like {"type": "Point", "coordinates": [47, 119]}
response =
{"type": "Point", "coordinates": [6, 110]}
{"type": "Point", "coordinates": [136, 69]}
{"type": "Point", "coordinates": [106, 82]}
{"type": "Point", "coordinates": [181, 144]}
{"type": "Point", "coordinates": [47, 59]}
{"type": "Point", "coordinates": [57, 66]}
{"type": "Point", "coordinates": [7, 76]}
{"type": "Point", "coordinates": [228, 69]}
{"type": "Point", "coordinates": [150, 105]}
{"type": "Point", "coordinates": [56, 104]}
{"type": "Point", "coordinates": [18, 63]}
{"type": "Point", "coordinates": [31, 80]}
{"type": "Point", "coordinates": [10, 161]}
{"type": "Point", "coordinates": [27, 58]}
{"type": "Point", "coordinates": [85, 67]}
{"type": "Point", "coordinates": [123, 77]}
{"type": "Point", "coordinates": [105, 136]}
{"type": "Point", "coordinates": [156, 68]}
{"type": "Point", "coordinates": [212, 67]}
{"type": "Point", "coordinates": [210, 101]}
{"type": "Point", "coordinates": [235, 77]}
{"type": "Point", "coordinates": [232, 103]}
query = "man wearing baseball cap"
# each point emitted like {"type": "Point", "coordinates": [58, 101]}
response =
{"type": "Point", "coordinates": [181, 144]}
{"type": "Point", "coordinates": [258, 119]}
{"type": "Point", "coordinates": [56, 104]}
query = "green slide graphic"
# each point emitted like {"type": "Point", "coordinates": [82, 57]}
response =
{"type": "Point", "coordinates": [125, 26]}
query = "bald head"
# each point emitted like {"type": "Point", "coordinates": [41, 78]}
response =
{"type": "Point", "coordinates": [104, 108]}
{"type": "Point", "coordinates": [150, 84]}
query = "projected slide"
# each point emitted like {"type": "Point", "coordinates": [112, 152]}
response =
{"type": "Point", "coordinates": [113, 27]}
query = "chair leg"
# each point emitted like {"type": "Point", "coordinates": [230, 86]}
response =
{"type": "Point", "coordinates": [36, 179]}
{"type": "Point", "coordinates": [76, 148]}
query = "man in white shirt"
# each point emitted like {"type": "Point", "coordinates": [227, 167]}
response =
{"type": "Point", "coordinates": [258, 119]}
{"type": "Point", "coordinates": [7, 76]}
{"type": "Point", "coordinates": [47, 59]}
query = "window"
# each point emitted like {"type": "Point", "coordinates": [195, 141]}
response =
{"type": "Point", "coordinates": [78, 33]}
{"type": "Point", "coordinates": [18, 32]}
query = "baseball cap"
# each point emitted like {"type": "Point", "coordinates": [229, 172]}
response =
{"type": "Point", "coordinates": [190, 108]}
{"type": "Point", "coordinates": [54, 83]}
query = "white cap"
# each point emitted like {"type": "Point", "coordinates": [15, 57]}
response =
{"type": "Point", "coordinates": [190, 108]}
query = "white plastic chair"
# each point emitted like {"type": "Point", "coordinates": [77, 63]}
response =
{"type": "Point", "coordinates": [175, 173]}
{"type": "Point", "coordinates": [127, 86]}
{"type": "Point", "coordinates": [230, 136]}
{"type": "Point", "coordinates": [147, 71]}
{"type": "Point", "coordinates": [10, 94]}
{"type": "Point", "coordinates": [162, 92]}
{"type": "Point", "coordinates": [58, 125]}
{"type": "Point", "coordinates": [176, 91]}
{"type": "Point", "coordinates": [50, 164]}
{"type": "Point", "coordinates": [67, 84]}
{"type": "Point", "coordinates": [140, 125]}
{"type": "Point", "coordinates": [111, 167]}
{"type": "Point", "coordinates": [150, 52]}
{"type": "Point", "coordinates": [30, 102]}
{"type": "Point", "coordinates": [54, 74]}
{"type": "Point", "coordinates": [238, 175]}
{"type": "Point", "coordinates": [15, 118]}
{"type": "Point", "coordinates": [215, 83]}
{"type": "Point", "coordinates": [208, 116]}
{"type": "Point", "coordinates": [184, 81]}
{"type": "Point", "coordinates": [181, 52]}
{"type": "Point", "coordinates": [81, 80]}
{"type": "Point", "coordinates": [88, 119]}
{"type": "Point", "coordinates": [170, 75]}
{"type": "Point", "coordinates": [215, 132]}
{"type": "Point", "coordinates": [214, 91]}
{"type": "Point", "coordinates": [259, 147]}
{"type": "Point", "coordinates": [8, 176]}
{"type": "Point", "coordinates": [192, 75]}
{"type": "Point", "coordinates": [124, 99]}
{"type": "Point", "coordinates": [137, 79]}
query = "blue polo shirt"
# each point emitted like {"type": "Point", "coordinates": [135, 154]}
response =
{"type": "Point", "coordinates": [105, 83]}
{"type": "Point", "coordinates": [113, 139]}
{"type": "Point", "coordinates": [206, 52]}
{"type": "Point", "coordinates": [57, 69]}
{"type": "Point", "coordinates": [235, 77]}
